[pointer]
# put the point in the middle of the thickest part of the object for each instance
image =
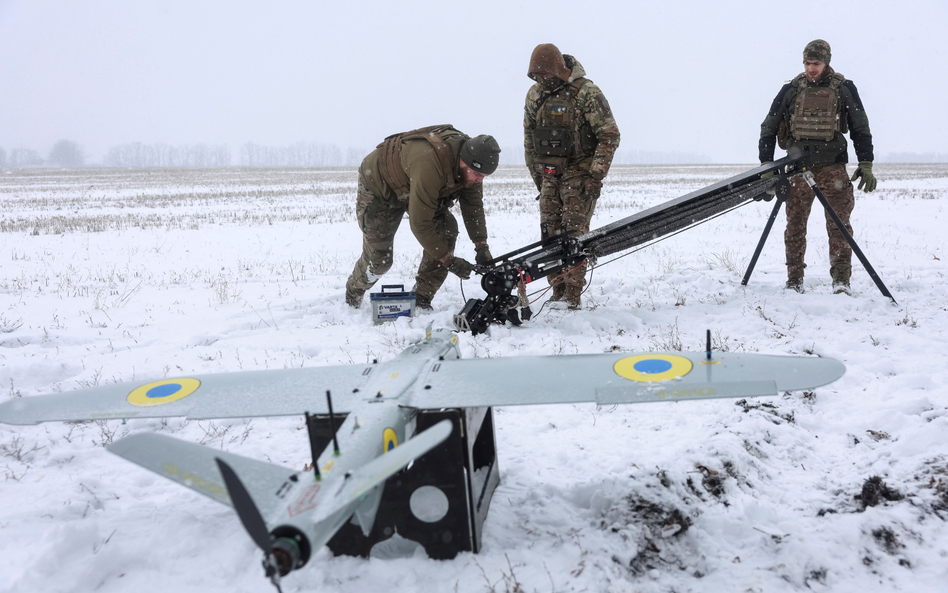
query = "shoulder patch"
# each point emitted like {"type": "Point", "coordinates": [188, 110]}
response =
{"type": "Point", "coordinates": [604, 105]}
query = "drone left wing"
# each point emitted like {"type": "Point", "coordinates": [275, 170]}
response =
{"type": "Point", "coordinates": [617, 378]}
{"type": "Point", "coordinates": [286, 392]}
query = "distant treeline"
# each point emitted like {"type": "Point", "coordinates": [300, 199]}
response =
{"type": "Point", "coordinates": [67, 153]}
{"type": "Point", "coordinates": [650, 157]}
{"type": "Point", "coordinates": [916, 157]}
{"type": "Point", "coordinates": [162, 155]}
{"type": "Point", "coordinates": [301, 154]}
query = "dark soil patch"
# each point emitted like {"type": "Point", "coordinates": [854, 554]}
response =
{"type": "Point", "coordinates": [875, 492]}
{"type": "Point", "coordinates": [767, 408]}
{"type": "Point", "coordinates": [657, 518]}
{"type": "Point", "coordinates": [887, 540]}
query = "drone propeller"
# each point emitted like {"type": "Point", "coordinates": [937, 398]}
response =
{"type": "Point", "coordinates": [253, 522]}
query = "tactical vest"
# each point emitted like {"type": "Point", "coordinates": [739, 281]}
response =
{"type": "Point", "coordinates": [816, 112]}
{"type": "Point", "coordinates": [561, 133]}
{"type": "Point", "coordinates": [441, 138]}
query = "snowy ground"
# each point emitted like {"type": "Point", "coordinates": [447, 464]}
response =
{"type": "Point", "coordinates": [128, 275]}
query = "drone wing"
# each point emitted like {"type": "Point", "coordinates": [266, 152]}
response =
{"type": "Point", "coordinates": [286, 392]}
{"type": "Point", "coordinates": [620, 378]}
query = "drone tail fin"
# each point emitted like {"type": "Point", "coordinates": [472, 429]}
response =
{"type": "Point", "coordinates": [195, 466]}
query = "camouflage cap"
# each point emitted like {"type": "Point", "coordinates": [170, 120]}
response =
{"type": "Point", "coordinates": [547, 60]}
{"type": "Point", "coordinates": [481, 153]}
{"type": "Point", "coordinates": [817, 50]}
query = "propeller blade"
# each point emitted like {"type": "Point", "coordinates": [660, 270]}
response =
{"type": "Point", "coordinates": [246, 509]}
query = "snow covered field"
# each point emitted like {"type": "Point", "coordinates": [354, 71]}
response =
{"type": "Point", "coordinates": [120, 275]}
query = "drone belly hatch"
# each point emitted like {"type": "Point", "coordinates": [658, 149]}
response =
{"type": "Point", "coordinates": [393, 379]}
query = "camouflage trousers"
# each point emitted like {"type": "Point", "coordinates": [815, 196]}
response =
{"type": "Point", "coordinates": [565, 206]}
{"type": "Point", "coordinates": [379, 219]}
{"type": "Point", "coordinates": [834, 182]}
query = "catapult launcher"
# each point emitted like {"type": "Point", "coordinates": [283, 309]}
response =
{"type": "Point", "coordinates": [504, 278]}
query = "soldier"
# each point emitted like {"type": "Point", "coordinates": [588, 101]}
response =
{"type": "Point", "coordinates": [423, 173]}
{"type": "Point", "coordinates": [811, 113]}
{"type": "Point", "coordinates": [569, 139]}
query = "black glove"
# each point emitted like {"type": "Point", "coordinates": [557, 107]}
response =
{"type": "Point", "coordinates": [768, 174]}
{"type": "Point", "coordinates": [460, 267]}
{"type": "Point", "coordinates": [868, 180]}
{"type": "Point", "coordinates": [593, 188]}
{"type": "Point", "coordinates": [483, 254]}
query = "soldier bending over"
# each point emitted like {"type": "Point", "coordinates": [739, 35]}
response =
{"type": "Point", "coordinates": [423, 173]}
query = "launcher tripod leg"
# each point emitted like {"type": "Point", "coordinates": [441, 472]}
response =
{"type": "Point", "coordinates": [808, 177]}
{"type": "Point", "coordinates": [763, 239]}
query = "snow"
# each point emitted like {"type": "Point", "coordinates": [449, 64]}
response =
{"type": "Point", "coordinates": [127, 276]}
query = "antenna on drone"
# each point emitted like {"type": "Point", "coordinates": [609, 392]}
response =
{"type": "Point", "coordinates": [332, 425]}
{"type": "Point", "coordinates": [312, 445]}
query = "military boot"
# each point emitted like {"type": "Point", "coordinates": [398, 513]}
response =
{"type": "Point", "coordinates": [559, 292]}
{"type": "Point", "coordinates": [354, 296]}
{"type": "Point", "coordinates": [795, 283]}
{"type": "Point", "coordinates": [841, 274]}
{"type": "Point", "coordinates": [572, 296]}
{"type": "Point", "coordinates": [423, 303]}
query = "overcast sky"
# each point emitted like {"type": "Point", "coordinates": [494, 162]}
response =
{"type": "Point", "coordinates": [691, 77]}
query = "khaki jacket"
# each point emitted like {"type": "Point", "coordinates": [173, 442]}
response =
{"type": "Point", "coordinates": [426, 182]}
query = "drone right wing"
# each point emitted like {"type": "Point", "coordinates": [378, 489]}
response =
{"type": "Point", "coordinates": [621, 378]}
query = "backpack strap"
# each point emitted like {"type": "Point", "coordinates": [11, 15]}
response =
{"type": "Point", "coordinates": [390, 164]}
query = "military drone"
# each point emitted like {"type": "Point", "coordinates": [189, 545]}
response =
{"type": "Point", "coordinates": [376, 427]}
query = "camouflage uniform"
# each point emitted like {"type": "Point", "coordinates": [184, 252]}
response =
{"type": "Point", "coordinates": [569, 186]}
{"type": "Point", "coordinates": [828, 164]}
{"type": "Point", "coordinates": [379, 212]}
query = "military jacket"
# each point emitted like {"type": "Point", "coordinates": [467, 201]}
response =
{"type": "Point", "coordinates": [426, 199]}
{"type": "Point", "coordinates": [851, 116]}
{"type": "Point", "coordinates": [591, 116]}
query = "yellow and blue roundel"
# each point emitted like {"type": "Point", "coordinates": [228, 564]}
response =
{"type": "Point", "coordinates": [389, 440]}
{"type": "Point", "coordinates": [163, 392]}
{"type": "Point", "coordinates": [651, 368]}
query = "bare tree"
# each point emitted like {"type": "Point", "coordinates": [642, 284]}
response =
{"type": "Point", "coordinates": [66, 153]}
{"type": "Point", "coordinates": [3, 158]}
{"type": "Point", "coordinates": [25, 157]}
{"type": "Point", "coordinates": [354, 156]}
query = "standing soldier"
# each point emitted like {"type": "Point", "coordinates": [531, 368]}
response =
{"type": "Point", "coordinates": [569, 139]}
{"type": "Point", "coordinates": [811, 113]}
{"type": "Point", "coordinates": [423, 173]}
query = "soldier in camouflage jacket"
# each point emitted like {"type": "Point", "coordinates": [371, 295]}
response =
{"type": "Point", "coordinates": [812, 113]}
{"type": "Point", "coordinates": [422, 173]}
{"type": "Point", "coordinates": [570, 138]}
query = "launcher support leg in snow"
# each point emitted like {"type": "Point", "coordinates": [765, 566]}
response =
{"type": "Point", "coordinates": [782, 193]}
{"type": "Point", "coordinates": [808, 177]}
